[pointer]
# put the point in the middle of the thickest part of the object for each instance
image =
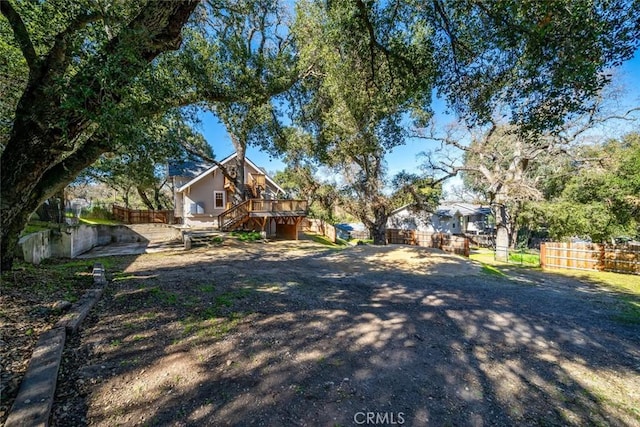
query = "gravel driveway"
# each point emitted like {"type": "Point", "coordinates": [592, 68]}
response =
{"type": "Point", "coordinates": [295, 334]}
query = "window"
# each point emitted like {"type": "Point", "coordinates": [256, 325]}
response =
{"type": "Point", "coordinates": [218, 199]}
{"type": "Point", "coordinates": [197, 208]}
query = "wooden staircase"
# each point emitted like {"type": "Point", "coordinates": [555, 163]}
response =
{"type": "Point", "coordinates": [235, 216]}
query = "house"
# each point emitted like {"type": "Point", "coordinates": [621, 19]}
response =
{"type": "Point", "coordinates": [203, 198]}
{"type": "Point", "coordinates": [449, 218]}
{"type": "Point", "coordinates": [354, 230]}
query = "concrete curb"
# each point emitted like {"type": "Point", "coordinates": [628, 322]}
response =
{"type": "Point", "coordinates": [35, 396]}
{"type": "Point", "coordinates": [72, 320]}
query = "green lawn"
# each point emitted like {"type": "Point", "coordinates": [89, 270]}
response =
{"type": "Point", "coordinates": [34, 228]}
{"type": "Point", "coordinates": [318, 238]}
{"type": "Point", "coordinates": [247, 236]}
{"type": "Point", "coordinates": [524, 258]}
{"type": "Point", "coordinates": [627, 285]}
{"type": "Point", "coordinates": [99, 221]}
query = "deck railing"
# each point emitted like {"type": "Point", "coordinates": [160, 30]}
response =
{"type": "Point", "coordinates": [260, 205]}
{"type": "Point", "coordinates": [239, 212]}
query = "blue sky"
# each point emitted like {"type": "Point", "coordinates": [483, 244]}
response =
{"type": "Point", "coordinates": [406, 156]}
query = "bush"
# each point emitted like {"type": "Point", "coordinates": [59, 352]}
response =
{"type": "Point", "coordinates": [97, 212]}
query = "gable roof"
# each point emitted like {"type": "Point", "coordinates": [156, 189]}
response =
{"type": "Point", "coordinates": [187, 168]}
{"type": "Point", "coordinates": [222, 162]}
{"type": "Point", "coordinates": [401, 208]}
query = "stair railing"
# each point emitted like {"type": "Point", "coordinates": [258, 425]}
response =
{"type": "Point", "coordinates": [233, 214]}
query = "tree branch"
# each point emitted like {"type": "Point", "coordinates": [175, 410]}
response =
{"type": "Point", "coordinates": [21, 34]}
{"type": "Point", "coordinates": [375, 44]}
{"type": "Point", "coordinates": [58, 57]}
{"type": "Point", "coordinates": [60, 175]}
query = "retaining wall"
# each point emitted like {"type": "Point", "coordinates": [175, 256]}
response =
{"type": "Point", "coordinates": [69, 242]}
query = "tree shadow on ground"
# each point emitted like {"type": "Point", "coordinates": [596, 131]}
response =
{"type": "Point", "coordinates": [297, 335]}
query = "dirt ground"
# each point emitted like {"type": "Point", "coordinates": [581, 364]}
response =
{"type": "Point", "coordinates": [298, 334]}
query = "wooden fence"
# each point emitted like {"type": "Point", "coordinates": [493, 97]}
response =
{"type": "Point", "coordinates": [482, 240]}
{"type": "Point", "coordinates": [447, 242]}
{"type": "Point", "coordinates": [140, 216]}
{"type": "Point", "coordinates": [589, 256]}
{"type": "Point", "coordinates": [319, 226]}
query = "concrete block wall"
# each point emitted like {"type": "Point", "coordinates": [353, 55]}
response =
{"type": "Point", "coordinates": [82, 239]}
{"type": "Point", "coordinates": [35, 246]}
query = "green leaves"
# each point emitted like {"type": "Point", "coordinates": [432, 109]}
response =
{"type": "Point", "coordinates": [600, 199]}
{"type": "Point", "coordinates": [545, 60]}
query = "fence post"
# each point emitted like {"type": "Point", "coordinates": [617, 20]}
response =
{"type": "Point", "coordinates": [543, 255]}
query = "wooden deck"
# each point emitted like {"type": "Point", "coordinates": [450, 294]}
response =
{"type": "Point", "coordinates": [285, 211]}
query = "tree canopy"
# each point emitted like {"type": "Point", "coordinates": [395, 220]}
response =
{"type": "Point", "coordinates": [77, 75]}
{"type": "Point", "coordinates": [600, 195]}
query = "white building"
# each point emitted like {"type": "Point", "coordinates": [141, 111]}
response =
{"type": "Point", "coordinates": [449, 218]}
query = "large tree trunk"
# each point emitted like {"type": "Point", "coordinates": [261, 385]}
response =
{"type": "Point", "coordinates": [502, 233]}
{"type": "Point", "coordinates": [240, 193]}
{"type": "Point", "coordinates": [378, 228]}
{"type": "Point", "coordinates": [51, 182]}
{"type": "Point", "coordinates": [157, 194]}
{"type": "Point", "coordinates": [46, 135]}
{"type": "Point", "coordinates": [145, 199]}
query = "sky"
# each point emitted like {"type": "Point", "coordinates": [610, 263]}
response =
{"type": "Point", "coordinates": [404, 157]}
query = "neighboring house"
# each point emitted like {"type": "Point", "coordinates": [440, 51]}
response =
{"type": "Point", "coordinates": [355, 230]}
{"type": "Point", "coordinates": [203, 198]}
{"type": "Point", "coordinates": [450, 218]}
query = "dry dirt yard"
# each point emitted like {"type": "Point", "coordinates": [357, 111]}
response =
{"type": "Point", "coordinates": [298, 334]}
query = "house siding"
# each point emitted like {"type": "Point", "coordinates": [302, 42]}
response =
{"type": "Point", "coordinates": [202, 192]}
{"type": "Point", "coordinates": [409, 219]}
{"type": "Point", "coordinates": [405, 219]}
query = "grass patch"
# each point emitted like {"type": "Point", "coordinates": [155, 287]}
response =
{"type": "Point", "coordinates": [626, 285]}
{"type": "Point", "coordinates": [492, 271]}
{"type": "Point", "coordinates": [220, 328]}
{"type": "Point", "coordinates": [34, 228]}
{"type": "Point", "coordinates": [99, 221]}
{"type": "Point", "coordinates": [524, 258]}
{"type": "Point", "coordinates": [164, 296]}
{"type": "Point", "coordinates": [630, 313]}
{"type": "Point", "coordinates": [485, 256]}
{"type": "Point", "coordinates": [123, 276]}
{"type": "Point", "coordinates": [323, 240]}
{"type": "Point", "coordinates": [247, 236]}
{"type": "Point", "coordinates": [109, 263]}
{"type": "Point", "coordinates": [207, 288]}
{"type": "Point", "coordinates": [217, 319]}
{"type": "Point", "coordinates": [53, 278]}
{"type": "Point", "coordinates": [210, 324]}
{"type": "Point", "coordinates": [227, 299]}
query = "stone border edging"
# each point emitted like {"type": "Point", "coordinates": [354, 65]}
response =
{"type": "Point", "coordinates": [37, 389]}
